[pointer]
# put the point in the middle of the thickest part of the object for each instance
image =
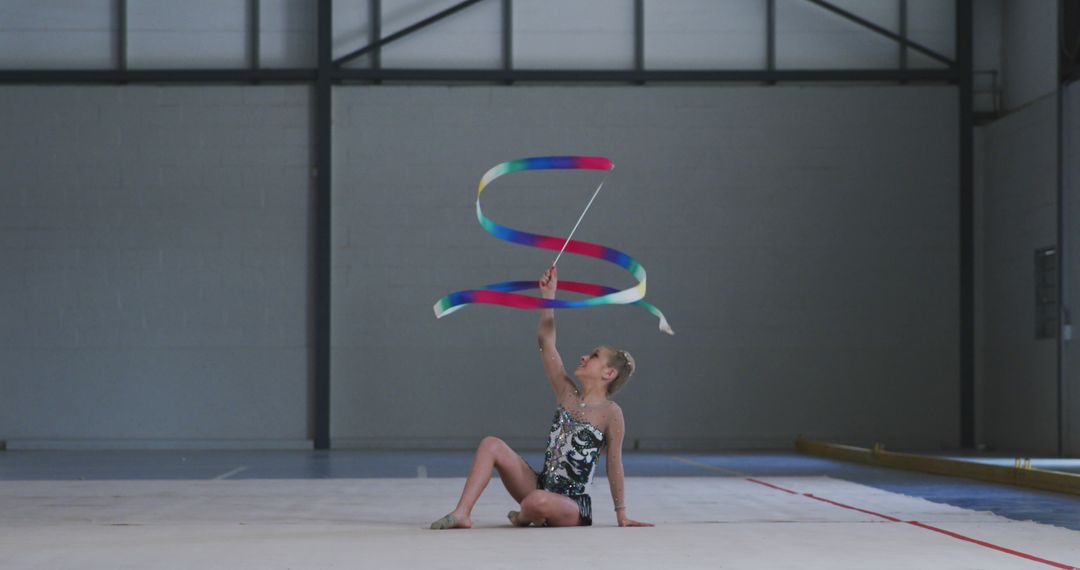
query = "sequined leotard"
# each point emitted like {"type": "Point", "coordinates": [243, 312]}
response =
{"type": "Point", "coordinates": [570, 460]}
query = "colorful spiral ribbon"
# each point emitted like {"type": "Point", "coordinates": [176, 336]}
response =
{"type": "Point", "coordinates": [504, 293]}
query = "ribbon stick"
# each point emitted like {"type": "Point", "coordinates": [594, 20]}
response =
{"type": "Point", "coordinates": [505, 293]}
{"type": "Point", "coordinates": [578, 223]}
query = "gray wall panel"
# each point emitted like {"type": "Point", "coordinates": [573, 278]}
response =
{"type": "Point", "coordinates": [802, 241]}
{"type": "Point", "coordinates": [1019, 378]}
{"type": "Point", "coordinates": [155, 246]}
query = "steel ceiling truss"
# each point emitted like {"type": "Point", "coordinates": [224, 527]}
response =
{"type": "Point", "coordinates": [374, 72]}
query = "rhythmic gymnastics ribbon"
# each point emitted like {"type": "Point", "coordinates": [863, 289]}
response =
{"type": "Point", "coordinates": [504, 293]}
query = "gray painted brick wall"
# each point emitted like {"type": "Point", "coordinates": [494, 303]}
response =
{"type": "Point", "coordinates": [1019, 382]}
{"type": "Point", "coordinates": [801, 240]}
{"type": "Point", "coordinates": [155, 245]}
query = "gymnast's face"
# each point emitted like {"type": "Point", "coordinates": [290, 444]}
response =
{"type": "Point", "coordinates": [594, 364]}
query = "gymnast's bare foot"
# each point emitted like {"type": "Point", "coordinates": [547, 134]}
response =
{"type": "Point", "coordinates": [515, 519]}
{"type": "Point", "coordinates": [452, 521]}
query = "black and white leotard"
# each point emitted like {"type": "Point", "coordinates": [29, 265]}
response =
{"type": "Point", "coordinates": [571, 458]}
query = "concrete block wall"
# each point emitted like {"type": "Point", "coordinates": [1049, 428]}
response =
{"type": "Point", "coordinates": [801, 240]}
{"type": "Point", "coordinates": [155, 242]}
{"type": "Point", "coordinates": [1018, 400]}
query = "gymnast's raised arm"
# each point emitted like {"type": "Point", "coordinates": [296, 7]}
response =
{"type": "Point", "coordinates": [545, 336]}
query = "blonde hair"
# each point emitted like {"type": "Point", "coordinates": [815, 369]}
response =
{"type": "Point", "coordinates": [624, 365]}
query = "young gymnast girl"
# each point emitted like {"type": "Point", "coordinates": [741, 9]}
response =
{"type": "Point", "coordinates": [585, 422]}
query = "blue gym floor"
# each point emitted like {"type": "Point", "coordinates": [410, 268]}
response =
{"type": "Point", "coordinates": [1011, 502]}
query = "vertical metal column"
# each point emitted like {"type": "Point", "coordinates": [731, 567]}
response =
{"type": "Point", "coordinates": [375, 25]}
{"type": "Point", "coordinates": [903, 34]}
{"type": "Point", "coordinates": [120, 36]}
{"type": "Point", "coordinates": [1063, 325]}
{"type": "Point", "coordinates": [770, 37]}
{"type": "Point", "coordinates": [964, 79]}
{"type": "Point", "coordinates": [253, 34]}
{"type": "Point", "coordinates": [321, 325]}
{"type": "Point", "coordinates": [639, 37]}
{"type": "Point", "coordinates": [508, 37]}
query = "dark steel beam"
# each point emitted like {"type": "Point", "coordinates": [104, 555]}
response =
{"type": "Point", "coordinates": [48, 76]}
{"type": "Point", "coordinates": [1062, 272]}
{"type": "Point", "coordinates": [639, 35]}
{"type": "Point", "coordinates": [253, 34]}
{"type": "Point", "coordinates": [903, 34]}
{"type": "Point", "coordinates": [876, 28]}
{"type": "Point", "coordinates": [507, 35]}
{"type": "Point", "coordinates": [1063, 263]}
{"type": "Point", "coordinates": [321, 281]}
{"type": "Point", "coordinates": [120, 34]}
{"type": "Point", "coordinates": [45, 76]}
{"type": "Point", "coordinates": [375, 26]}
{"type": "Point", "coordinates": [380, 42]}
{"type": "Point", "coordinates": [652, 76]}
{"type": "Point", "coordinates": [1069, 41]}
{"type": "Point", "coordinates": [966, 105]}
{"type": "Point", "coordinates": [770, 36]}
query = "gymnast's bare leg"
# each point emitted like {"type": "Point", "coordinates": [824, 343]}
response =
{"type": "Point", "coordinates": [516, 475]}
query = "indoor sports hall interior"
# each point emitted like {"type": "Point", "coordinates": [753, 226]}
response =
{"type": "Point", "coordinates": [274, 273]}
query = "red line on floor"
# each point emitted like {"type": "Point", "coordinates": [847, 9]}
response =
{"type": "Point", "coordinates": [994, 546]}
{"type": "Point", "coordinates": [843, 506]}
{"type": "Point", "coordinates": [777, 487]}
{"type": "Point", "coordinates": [949, 533]}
